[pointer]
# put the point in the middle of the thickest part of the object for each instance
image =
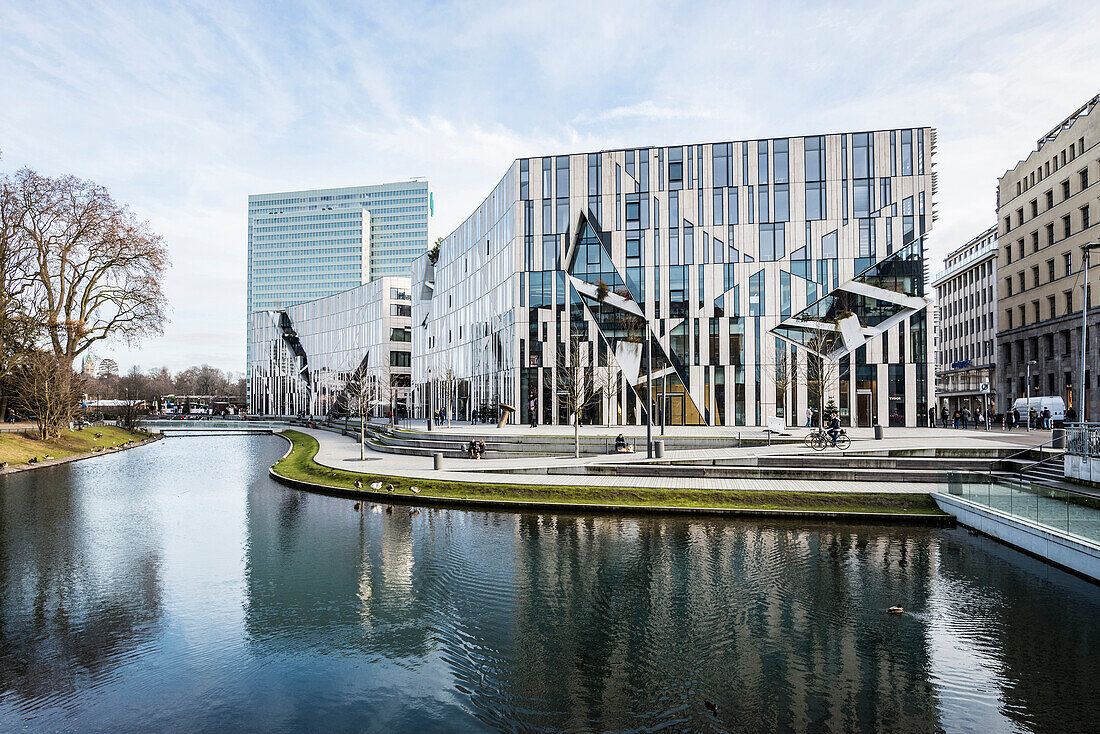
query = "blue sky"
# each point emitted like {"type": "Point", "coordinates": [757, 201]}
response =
{"type": "Point", "coordinates": [183, 109]}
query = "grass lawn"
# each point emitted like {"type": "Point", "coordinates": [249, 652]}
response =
{"type": "Point", "coordinates": [18, 448]}
{"type": "Point", "coordinates": [299, 464]}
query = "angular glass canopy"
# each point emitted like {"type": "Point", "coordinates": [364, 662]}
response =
{"type": "Point", "coordinates": [867, 305]}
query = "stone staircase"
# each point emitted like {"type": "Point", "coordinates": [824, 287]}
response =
{"type": "Point", "coordinates": [504, 446]}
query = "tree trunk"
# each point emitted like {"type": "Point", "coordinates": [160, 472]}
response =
{"type": "Point", "coordinates": [576, 436]}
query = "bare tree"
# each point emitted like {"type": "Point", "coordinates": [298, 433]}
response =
{"type": "Point", "coordinates": [97, 268]}
{"type": "Point", "coordinates": [784, 375]}
{"type": "Point", "coordinates": [134, 385]}
{"type": "Point", "coordinates": [46, 388]}
{"type": "Point", "coordinates": [18, 328]}
{"type": "Point", "coordinates": [821, 370]}
{"type": "Point", "coordinates": [577, 385]}
{"type": "Point", "coordinates": [107, 368]}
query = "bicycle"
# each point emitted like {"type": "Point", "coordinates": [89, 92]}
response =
{"type": "Point", "coordinates": [813, 435]}
{"type": "Point", "coordinates": [822, 441]}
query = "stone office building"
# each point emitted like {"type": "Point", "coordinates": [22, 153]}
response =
{"type": "Point", "coordinates": [728, 279]}
{"type": "Point", "coordinates": [1046, 209]}
{"type": "Point", "coordinates": [966, 343]}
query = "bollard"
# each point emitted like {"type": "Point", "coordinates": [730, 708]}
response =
{"type": "Point", "coordinates": [878, 432]}
{"type": "Point", "coordinates": [659, 449]}
{"type": "Point", "coordinates": [1059, 436]}
{"type": "Point", "coordinates": [437, 458]}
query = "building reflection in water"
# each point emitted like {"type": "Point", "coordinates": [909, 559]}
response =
{"type": "Point", "coordinates": [563, 621]}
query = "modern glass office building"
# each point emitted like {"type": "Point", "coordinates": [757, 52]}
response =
{"type": "Point", "coordinates": [304, 245]}
{"type": "Point", "coordinates": [733, 280]}
{"type": "Point", "coordinates": [345, 353]}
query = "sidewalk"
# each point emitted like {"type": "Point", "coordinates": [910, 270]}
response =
{"type": "Point", "coordinates": [1019, 437]}
{"type": "Point", "coordinates": [342, 452]}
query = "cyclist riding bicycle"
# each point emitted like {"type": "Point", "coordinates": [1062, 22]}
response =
{"type": "Point", "coordinates": [834, 428]}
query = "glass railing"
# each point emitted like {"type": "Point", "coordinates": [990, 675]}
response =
{"type": "Point", "coordinates": [1065, 511]}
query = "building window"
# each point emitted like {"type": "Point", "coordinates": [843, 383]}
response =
{"type": "Point", "coordinates": [398, 334]}
{"type": "Point", "coordinates": [1050, 234]}
{"type": "Point", "coordinates": [1065, 189]}
{"type": "Point", "coordinates": [1050, 270]}
{"type": "Point", "coordinates": [400, 359]}
{"type": "Point", "coordinates": [1085, 217]}
{"type": "Point", "coordinates": [1050, 199]}
{"type": "Point", "coordinates": [1085, 179]}
{"type": "Point", "coordinates": [1034, 208]}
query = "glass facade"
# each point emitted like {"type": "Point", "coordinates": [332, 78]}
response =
{"type": "Point", "coordinates": [795, 237]}
{"type": "Point", "coordinates": [333, 355]}
{"type": "Point", "coordinates": [305, 245]}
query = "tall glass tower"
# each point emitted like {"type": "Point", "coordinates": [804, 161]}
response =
{"type": "Point", "coordinates": [304, 245]}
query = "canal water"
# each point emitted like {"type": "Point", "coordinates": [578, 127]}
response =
{"type": "Point", "coordinates": [175, 587]}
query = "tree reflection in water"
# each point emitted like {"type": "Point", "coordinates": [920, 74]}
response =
{"type": "Point", "coordinates": [134, 595]}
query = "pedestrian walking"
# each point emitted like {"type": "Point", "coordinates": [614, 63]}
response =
{"type": "Point", "coordinates": [931, 417]}
{"type": "Point", "coordinates": [809, 417]}
{"type": "Point", "coordinates": [1048, 421]}
{"type": "Point", "coordinates": [943, 417]}
{"type": "Point", "coordinates": [531, 408]}
{"type": "Point", "coordinates": [966, 418]}
{"type": "Point", "coordinates": [978, 418]}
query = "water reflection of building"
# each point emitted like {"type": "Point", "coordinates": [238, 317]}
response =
{"type": "Point", "coordinates": [314, 566]}
{"type": "Point", "coordinates": [571, 622]}
{"type": "Point", "coordinates": [772, 621]}
{"type": "Point", "coordinates": [1021, 622]}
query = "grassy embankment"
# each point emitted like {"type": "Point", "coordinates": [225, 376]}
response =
{"type": "Point", "coordinates": [19, 448]}
{"type": "Point", "coordinates": [299, 465]}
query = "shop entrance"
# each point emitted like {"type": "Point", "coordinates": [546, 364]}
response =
{"type": "Point", "coordinates": [865, 408]}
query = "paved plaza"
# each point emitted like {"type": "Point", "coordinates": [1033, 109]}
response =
{"type": "Point", "coordinates": [342, 452]}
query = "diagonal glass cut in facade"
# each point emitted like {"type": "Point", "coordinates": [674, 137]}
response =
{"type": "Point", "coordinates": [725, 254]}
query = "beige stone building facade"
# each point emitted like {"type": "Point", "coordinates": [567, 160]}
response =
{"type": "Point", "coordinates": [1047, 209]}
{"type": "Point", "coordinates": [966, 332]}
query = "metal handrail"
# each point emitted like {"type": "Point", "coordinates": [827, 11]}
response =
{"type": "Point", "coordinates": [1029, 467]}
{"type": "Point", "coordinates": [993, 464]}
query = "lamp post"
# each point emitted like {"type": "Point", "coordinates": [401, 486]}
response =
{"type": "Point", "coordinates": [1084, 329]}
{"type": "Point", "coordinates": [1027, 394]}
{"type": "Point", "coordinates": [648, 393]}
{"type": "Point", "coordinates": [428, 400]}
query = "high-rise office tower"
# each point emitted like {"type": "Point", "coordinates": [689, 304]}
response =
{"type": "Point", "coordinates": [304, 245]}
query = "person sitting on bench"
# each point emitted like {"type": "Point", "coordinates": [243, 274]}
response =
{"type": "Point", "coordinates": [620, 445]}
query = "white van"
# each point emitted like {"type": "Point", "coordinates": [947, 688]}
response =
{"type": "Point", "coordinates": [1054, 403]}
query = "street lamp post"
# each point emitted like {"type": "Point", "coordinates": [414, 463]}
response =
{"type": "Point", "coordinates": [648, 393]}
{"type": "Point", "coordinates": [1027, 394]}
{"type": "Point", "coordinates": [428, 399]}
{"type": "Point", "coordinates": [1084, 331]}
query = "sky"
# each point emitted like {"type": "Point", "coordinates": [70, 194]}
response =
{"type": "Point", "coordinates": [184, 109]}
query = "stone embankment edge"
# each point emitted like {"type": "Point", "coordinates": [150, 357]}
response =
{"type": "Point", "coordinates": [78, 457]}
{"type": "Point", "coordinates": [584, 507]}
